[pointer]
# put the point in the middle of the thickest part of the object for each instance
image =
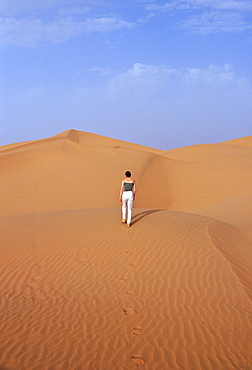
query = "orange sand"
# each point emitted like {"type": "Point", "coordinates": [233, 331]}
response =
{"type": "Point", "coordinates": [79, 290]}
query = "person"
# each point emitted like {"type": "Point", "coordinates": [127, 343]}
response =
{"type": "Point", "coordinates": [127, 196]}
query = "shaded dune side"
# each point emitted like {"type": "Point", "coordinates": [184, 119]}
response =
{"type": "Point", "coordinates": [78, 137]}
{"type": "Point", "coordinates": [213, 153]}
{"type": "Point", "coordinates": [63, 175]}
{"type": "Point", "coordinates": [181, 185]}
{"type": "Point", "coordinates": [82, 291]}
{"type": "Point", "coordinates": [236, 211]}
{"type": "Point", "coordinates": [221, 175]}
{"type": "Point", "coordinates": [75, 170]}
{"type": "Point", "coordinates": [26, 145]}
{"type": "Point", "coordinates": [236, 246]}
{"type": "Point", "coordinates": [89, 139]}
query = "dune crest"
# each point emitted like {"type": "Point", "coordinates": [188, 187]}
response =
{"type": "Point", "coordinates": [243, 141]}
{"type": "Point", "coordinates": [58, 174]}
{"type": "Point", "coordinates": [80, 290]}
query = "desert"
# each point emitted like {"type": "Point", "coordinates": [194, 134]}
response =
{"type": "Point", "coordinates": [79, 290]}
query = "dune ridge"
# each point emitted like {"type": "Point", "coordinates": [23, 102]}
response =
{"type": "Point", "coordinates": [58, 174]}
{"type": "Point", "coordinates": [79, 290]}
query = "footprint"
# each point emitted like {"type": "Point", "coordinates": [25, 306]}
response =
{"type": "Point", "coordinates": [123, 278]}
{"type": "Point", "coordinates": [137, 330]}
{"type": "Point", "coordinates": [138, 360]}
{"type": "Point", "coordinates": [129, 311]}
{"type": "Point", "coordinates": [129, 252]}
{"type": "Point", "coordinates": [128, 292]}
{"type": "Point", "coordinates": [132, 264]}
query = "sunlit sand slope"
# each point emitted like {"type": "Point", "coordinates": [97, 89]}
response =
{"type": "Point", "coordinates": [214, 180]}
{"type": "Point", "coordinates": [72, 170]}
{"type": "Point", "coordinates": [81, 291]}
{"type": "Point", "coordinates": [76, 170]}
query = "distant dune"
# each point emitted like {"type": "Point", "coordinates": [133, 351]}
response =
{"type": "Point", "coordinates": [79, 290]}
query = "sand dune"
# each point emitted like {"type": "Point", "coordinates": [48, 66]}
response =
{"type": "Point", "coordinates": [70, 171]}
{"type": "Point", "coordinates": [79, 290]}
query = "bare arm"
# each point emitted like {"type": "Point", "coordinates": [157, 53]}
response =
{"type": "Point", "coordinates": [121, 191]}
{"type": "Point", "coordinates": [134, 189]}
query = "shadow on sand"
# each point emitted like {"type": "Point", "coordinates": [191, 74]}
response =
{"type": "Point", "coordinates": [141, 215]}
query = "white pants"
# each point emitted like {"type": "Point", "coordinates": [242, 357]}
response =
{"type": "Point", "coordinates": [127, 200]}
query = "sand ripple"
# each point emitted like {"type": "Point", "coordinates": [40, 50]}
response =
{"type": "Point", "coordinates": [183, 304]}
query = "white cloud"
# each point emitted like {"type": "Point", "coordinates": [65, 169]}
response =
{"type": "Point", "coordinates": [154, 7]}
{"type": "Point", "coordinates": [154, 74]}
{"type": "Point", "coordinates": [166, 76]}
{"type": "Point", "coordinates": [150, 88]}
{"type": "Point", "coordinates": [141, 80]}
{"type": "Point", "coordinates": [164, 7]}
{"type": "Point", "coordinates": [146, 19]}
{"type": "Point", "coordinates": [231, 5]}
{"type": "Point", "coordinates": [102, 71]}
{"type": "Point", "coordinates": [154, 105]}
{"type": "Point", "coordinates": [73, 10]}
{"type": "Point", "coordinates": [32, 32]}
{"type": "Point", "coordinates": [209, 16]}
{"type": "Point", "coordinates": [215, 22]}
{"type": "Point", "coordinates": [140, 70]}
{"type": "Point", "coordinates": [160, 98]}
{"type": "Point", "coordinates": [25, 7]}
{"type": "Point", "coordinates": [212, 74]}
{"type": "Point", "coordinates": [105, 24]}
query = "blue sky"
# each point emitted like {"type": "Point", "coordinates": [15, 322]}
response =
{"type": "Point", "coordinates": [164, 74]}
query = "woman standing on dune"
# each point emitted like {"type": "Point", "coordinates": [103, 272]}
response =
{"type": "Point", "coordinates": [127, 196]}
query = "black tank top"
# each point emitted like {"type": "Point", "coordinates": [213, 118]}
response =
{"type": "Point", "coordinates": [128, 186]}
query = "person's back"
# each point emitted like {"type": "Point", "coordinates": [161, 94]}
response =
{"type": "Point", "coordinates": [128, 186]}
{"type": "Point", "coordinates": [127, 196]}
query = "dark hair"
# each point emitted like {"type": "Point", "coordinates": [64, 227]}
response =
{"type": "Point", "coordinates": [127, 173]}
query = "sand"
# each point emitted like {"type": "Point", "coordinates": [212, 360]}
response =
{"type": "Point", "coordinates": [80, 290]}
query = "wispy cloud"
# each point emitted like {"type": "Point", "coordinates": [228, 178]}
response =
{"type": "Point", "coordinates": [193, 99]}
{"type": "Point", "coordinates": [33, 32]}
{"type": "Point", "coordinates": [35, 23]}
{"type": "Point", "coordinates": [73, 10]}
{"type": "Point", "coordinates": [212, 74]}
{"type": "Point", "coordinates": [10, 8]}
{"type": "Point", "coordinates": [230, 5]}
{"type": "Point", "coordinates": [165, 7]}
{"type": "Point", "coordinates": [218, 75]}
{"type": "Point", "coordinates": [216, 22]}
{"type": "Point", "coordinates": [105, 24]}
{"type": "Point", "coordinates": [169, 104]}
{"type": "Point", "coordinates": [209, 16]}
{"type": "Point", "coordinates": [102, 71]}
{"type": "Point", "coordinates": [27, 32]}
{"type": "Point", "coordinates": [140, 70]}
